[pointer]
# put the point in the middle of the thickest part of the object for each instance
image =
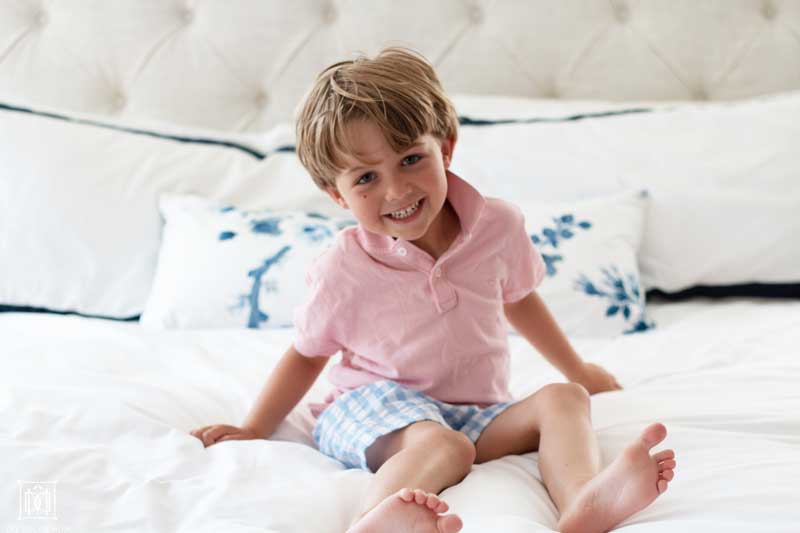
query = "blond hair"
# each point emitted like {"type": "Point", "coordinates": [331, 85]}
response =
{"type": "Point", "coordinates": [398, 91]}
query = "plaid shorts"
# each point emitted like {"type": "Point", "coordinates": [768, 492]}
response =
{"type": "Point", "coordinates": [357, 418]}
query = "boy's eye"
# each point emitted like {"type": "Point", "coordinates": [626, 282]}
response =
{"type": "Point", "coordinates": [414, 158]}
{"type": "Point", "coordinates": [361, 179]}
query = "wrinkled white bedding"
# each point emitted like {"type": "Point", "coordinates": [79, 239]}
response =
{"type": "Point", "coordinates": [104, 408]}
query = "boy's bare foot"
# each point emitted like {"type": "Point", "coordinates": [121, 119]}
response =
{"type": "Point", "coordinates": [408, 511]}
{"type": "Point", "coordinates": [625, 487]}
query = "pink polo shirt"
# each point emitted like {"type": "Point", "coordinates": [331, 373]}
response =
{"type": "Point", "coordinates": [436, 326]}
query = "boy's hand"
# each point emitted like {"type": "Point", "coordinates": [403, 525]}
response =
{"type": "Point", "coordinates": [210, 435]}
{"type": "Point", "coordinates": [595, 379]}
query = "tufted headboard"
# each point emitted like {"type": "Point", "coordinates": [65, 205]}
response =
{"type": "Point", "coordinates": [243, 65]}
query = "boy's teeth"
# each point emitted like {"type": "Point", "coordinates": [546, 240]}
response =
{"type": "Point", "coordinates": [406, 212]}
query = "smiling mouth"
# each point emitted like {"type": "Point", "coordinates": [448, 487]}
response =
{"type": "Point", "coordinates": [406, 212]}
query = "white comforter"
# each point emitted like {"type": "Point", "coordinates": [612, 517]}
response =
{"type": "Point", "coordinates": [103, 409]}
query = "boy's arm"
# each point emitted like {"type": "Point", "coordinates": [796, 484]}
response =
{"type": "Point", "coordinates": [286, 386]}
{"type": "Point", "coordinates": [533, 320]}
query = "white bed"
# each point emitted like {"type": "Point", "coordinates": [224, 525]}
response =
{"type": "Point", "coordinates": [95, 413]}
{"type": "Point", "coordinates": [105, 408]}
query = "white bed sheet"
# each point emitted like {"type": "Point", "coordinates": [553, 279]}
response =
{"type": "Point", "coordinates": [104, 408]}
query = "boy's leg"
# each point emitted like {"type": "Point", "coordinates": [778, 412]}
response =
{"type": "Point", "coordinates": [556, 421]}
{"type": "Point", "coordinates": [424, 455]}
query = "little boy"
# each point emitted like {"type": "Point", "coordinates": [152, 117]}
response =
{"type": "Point", "coordinates": [413, 297]}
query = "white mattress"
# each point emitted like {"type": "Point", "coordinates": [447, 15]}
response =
{"type": "Point", "coordinates": [103, 409]}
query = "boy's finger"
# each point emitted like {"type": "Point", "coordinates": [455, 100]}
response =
{"type": "Point", "coordinates": [211, 435]}
{"type": "Point", "coordinates": [199, 432]}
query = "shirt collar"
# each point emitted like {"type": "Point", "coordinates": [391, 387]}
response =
{"type": "Point", "coordinates": [467, 202]}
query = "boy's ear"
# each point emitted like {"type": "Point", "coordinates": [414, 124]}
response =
{"type": "Point", "coordinates": [333, 192]}
{"type": "Point", "coordinates": [448, 146]}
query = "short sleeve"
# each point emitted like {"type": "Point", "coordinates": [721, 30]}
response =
{"type": "Point", "coordinates": [315, 331]}
{"type": "Point", "coordinates": [525, 268]}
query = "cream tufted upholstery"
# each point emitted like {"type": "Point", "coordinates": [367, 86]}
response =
{"type": "Point", "coordinates": [242, 65]}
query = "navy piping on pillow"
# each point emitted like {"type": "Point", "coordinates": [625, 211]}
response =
{"type": "Point", "coordinates": [467, 121]}
{"type": "Point", "coordinates": [745, 290]}
{"type": "Point", "coordinates": [193, 140]}
{"type": "Point", "coordinates": [462, 120]}
{"type": "Point", "coordinates": [22, 309]}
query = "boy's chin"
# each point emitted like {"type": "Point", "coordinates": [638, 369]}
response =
{"type": "Point", "coordinates": [389, 230]}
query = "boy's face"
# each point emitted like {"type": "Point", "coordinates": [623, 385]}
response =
{"type": "Point", "coordinates": [379, 182]}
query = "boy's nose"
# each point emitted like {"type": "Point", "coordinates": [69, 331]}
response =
{"type": "Point", "coordinates": [397, 191]}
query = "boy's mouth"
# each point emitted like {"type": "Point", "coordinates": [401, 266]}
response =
{"type": "Point", "coordinates": [407, 213]}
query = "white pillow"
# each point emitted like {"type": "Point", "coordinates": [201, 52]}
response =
{"type": "Point", "coordinates": [739, 157]}
{"type": "Point", "coordinates": [592, 285]}
{"type": "Point", "coordinates": [217, 266]}
{"type": "Point", "coordinates": [224, 267]}
{"type": "Point", "coordinates": [79, 206]}
{"type": "Point", "coordinates": [720, 237]}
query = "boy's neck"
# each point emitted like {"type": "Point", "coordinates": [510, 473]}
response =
{"type": "Point", "coordinates": [442, 233]}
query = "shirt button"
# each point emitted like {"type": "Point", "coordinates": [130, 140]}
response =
{"type": "Point", "coordinates": [401, 251]}
{"type": "Point", "coordinates": [438, 272]}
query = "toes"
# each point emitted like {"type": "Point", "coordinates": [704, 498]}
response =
{"type": "Point", "coordinates": [667, 474]}
{"type": "Point", "coordinates": [669, 463]}
{"type": "Point", "coordinates": [653, 434]}
{"type": "Point", "coordinates": [419, 496]}
{"type": "Point", "coordinates": [664, 455]}
{"type": "Point", "coordinates": [449, 524]}
{"type": "Point", "coordinates": [432, 501]}
{"type": "Point", "coordinates": [662, 486]}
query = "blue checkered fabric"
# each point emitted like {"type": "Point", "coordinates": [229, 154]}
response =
{"type": "Point", "coordinates": [347, 427]}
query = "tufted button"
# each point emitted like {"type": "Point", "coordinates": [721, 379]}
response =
{"type": "Point", "coordinates": [329, 13]}
{"type": "Point", "coordinates": [700, 94]}
{"type": "Point", "coordinates": [622, 13]}
{"type": "Point", "coordinates": [262, 98]}
{"type": "Point", "coordinates": [550, 92]}
{"type": "Point", "coordinates": [768, 10]}
{"type": "Point", "coordinates": [401, 252]}
{"type": "Point", "coordinates": [187, 15]}
{"type": "Point", "coordinates": [119, 101]}
{"type": "Point", "coordinates": [41, 18]}
{"type": "Point", "coordinates": [476, 15]}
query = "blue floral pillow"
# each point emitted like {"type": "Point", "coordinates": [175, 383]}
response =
{"type": "Point", "coordinates": [220, 266]}
{"type": "Point", "coordinates": [590, 249]}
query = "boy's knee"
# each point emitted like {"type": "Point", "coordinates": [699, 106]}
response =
{"type": "Point", "coordinates": [442, 443]}
{"type": "Point", "coordinates": [559, 395]}
{"type": "Point", "coordinates": [445, 443]}
{"type": "Point", "coordinates": [456, 447]}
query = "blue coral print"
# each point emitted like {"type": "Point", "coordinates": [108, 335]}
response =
{"type": "Point", "coordinates": [270, 226]}
{"type": "Point", "coordinates": [622, 297]}
{"type": "Point", "coordinates": [565, 227]}
{"type": "Point", "coordinates": [309, 231]}
{"type": "Point", "coordinates": [256, 316]}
